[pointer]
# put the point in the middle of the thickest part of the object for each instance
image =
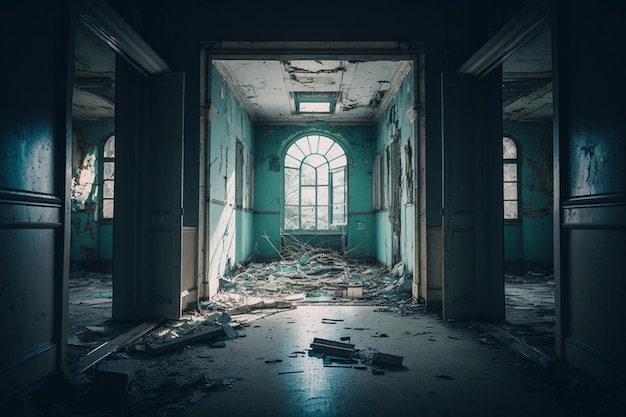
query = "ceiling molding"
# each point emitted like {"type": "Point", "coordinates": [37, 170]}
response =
{"type": "Point", "coordinates": [315, 50]}
{"type": "Point", "coordinates": [105, 23]}
{"type": "Point", "coordinates": [524, 27]}
{"type": "Point", "coordinates": [393, 89]}
{"type": "Point", "coordinates": [230, 78]}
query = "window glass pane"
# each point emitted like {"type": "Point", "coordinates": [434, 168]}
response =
{"type": "Point", "coordinates": [314, 142]}
{"type": "Point", "coordinates": [315, 160]}
{"type": "Point", "coordinates": [109, 148]}
{"type": "Point", "coordinates": [307, 175]}
{"type": "Point", "coordinates": [296, 153]}
{"type": "Point", "coordinates": [338, 195]}
{"type": "Point", "coordinates": [339, 214]}
{"type": "Point", "coordinates": [107, 209]}
{"type": "Point", "coordinates": [108, 189]}
{"type": "Point", "coordinates": [334, 151]}
{"type": "Point", "coordinates": [307, 219]}
{"type": "Point", "coordinates": [303, 144]}
{"type": "Point", "coordinates": [510, 209]}
{"type": "Point", "coordinates": [322, 175]}
{"type": "Point", "coordinates": [324, 145]}
{"type": "Point", "coordinates": [510, 172]}
{"type": "Point", "coordinates": [109, 170]}
{"type": "Point", "coordinates": [322, 196]}
{"type": "Point", "coordinates": [308, 196]}
{"type": "Point", "coordinates": [339, 178]}
{"type": "Point", "coordinates": [322, 218]}
{"type": "Point", "coordinates": [292, 190]}
{"type": "Point", "coordinates": [510, 191]}
{"type": "Point", "coordinates": [338, 162]}
{"type": "Point", "coordinates": [291, 162]}
{"type": "Point", "coordinates": [292, 214]}
{"type": "Point", "coordinates": [509, 149]}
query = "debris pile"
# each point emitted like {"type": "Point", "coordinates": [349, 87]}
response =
{"type": "Point", "coordinates": [307, 274]}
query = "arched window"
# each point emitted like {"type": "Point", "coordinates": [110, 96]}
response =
{"type": "Point", "coordinates": [108, 178]}
{"type": "Point", "coordinates": [315, 185]}
{"type": "Point", "coordinates": [510, 177]}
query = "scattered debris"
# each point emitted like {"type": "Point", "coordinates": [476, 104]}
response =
{"type": "Point", "coordinates": [448, 377]}
{"type": "Point", "coordinates": [107, 348]}
{"type": "Point", "coordinates": [202, 336]}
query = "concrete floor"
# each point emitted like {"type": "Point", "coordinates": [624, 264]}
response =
{"type": "Point", "coordinates": [449, 369]}
{"type": "Point", "coordinates": [446, 370]}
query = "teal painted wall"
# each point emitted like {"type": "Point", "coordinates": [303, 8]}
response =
{"type": "Point", "coordinates": [91, 239]}
{"type": "Point", "coordinates": [530, 240]}
{"type": "Point", "coordinates": [395, 125]}
{"type": "Point", "coordinates": [228, 225]}
{"type": "Point", "coordinates": [272, 142]}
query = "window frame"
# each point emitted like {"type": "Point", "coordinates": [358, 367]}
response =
{"type": "Point", "coordinates": [107, 160]}
{"type": "Point", "coordinates": [514, 161]}
{"type": "Point", "coordinates": [314, 146]}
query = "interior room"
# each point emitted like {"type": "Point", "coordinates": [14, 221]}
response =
{"type": "Point", "coordinates": [205, 205]}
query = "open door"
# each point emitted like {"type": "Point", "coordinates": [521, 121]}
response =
{"type": "Point", "coordinates": [148, 194]}
{"type": "Point", "coordinates": [164, 208]}
{"type": "Point", "coordinates": [473, 278]}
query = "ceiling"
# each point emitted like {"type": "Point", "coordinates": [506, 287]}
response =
{"type": "Point", "coordinates": [94, 77]}
{"type": "Point", "coordinates": [362, 88]}
{"type": "Point", "coordinates": [270, 89]}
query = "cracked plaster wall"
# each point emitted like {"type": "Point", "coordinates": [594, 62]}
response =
{"type": "Point", "coordinates": [91, 239]}
{"type": "Point", "coordinates": [394, 124]}
{"type": "Point", "coordinates": [229, 227]}
{"type": "Point", "coordinates": [529, 241]}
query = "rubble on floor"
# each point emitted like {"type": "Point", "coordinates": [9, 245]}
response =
{"type": "Point", "coordinates": [306, 274]}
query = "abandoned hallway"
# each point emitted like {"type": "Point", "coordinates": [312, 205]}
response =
{"type": "Point", "coordinates": [213, 208]}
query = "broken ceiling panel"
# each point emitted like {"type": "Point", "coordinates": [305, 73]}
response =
{"type": "Point", "coordinates": [268, 89]}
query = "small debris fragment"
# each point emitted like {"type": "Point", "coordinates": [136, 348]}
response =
{"type": "Point", "coordinates": [448, 377]}
{"type": "Point", "coordinates": [377, 371]}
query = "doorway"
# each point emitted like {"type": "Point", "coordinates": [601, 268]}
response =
{"type": "Point", "coordinates": [90, 295]}
{"type": "Point", "coordinates": [528, 192]}
{"type": "Point", "coordinates": [326, 98]}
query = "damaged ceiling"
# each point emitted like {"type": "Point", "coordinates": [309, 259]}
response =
{"type": "Point", "coordinates": [269, 89]}
{"type": "Point", "coordinates": [94, 77]}
{"type": "Point", "coordinates": [527, 81]}
{"type": "Point", "coordinates": [360, 89]}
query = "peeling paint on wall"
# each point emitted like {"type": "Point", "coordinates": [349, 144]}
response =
{"type": "Point", "coordinates": [273, 163]}
{"type": "Point", "coordinates": [542, 174]}
{"type": "Point", "coordinates": [83, 171]}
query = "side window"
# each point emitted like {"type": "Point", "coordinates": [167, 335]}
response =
{"type": "Point", "coordinates": [244, 176]}
{"type": "Point", "coordinates": [316, 191]}
{"type": "Point", "coordinates": [108, 178]}
{"type": "Point", "coordinates": [510, 178]}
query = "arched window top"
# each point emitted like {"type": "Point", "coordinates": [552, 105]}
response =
{"type": "Point", "coordinates": [509, 148]}
{"type": "Point", "coordinates": [315, 151]}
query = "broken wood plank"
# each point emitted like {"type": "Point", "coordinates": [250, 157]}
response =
{"type": "Point", "coordinates": [519, 346]}
{"type": "Point", "coordinates": [109, 347]}
{"type": "Point", "coordinates": [205, 336]}
{"type": "Point", "coordinates": [332, 347]}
